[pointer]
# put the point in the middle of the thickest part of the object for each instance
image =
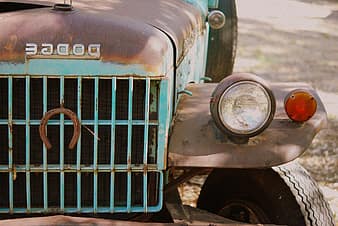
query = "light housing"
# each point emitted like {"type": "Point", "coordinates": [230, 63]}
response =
{"type": "Point", "coordinates": [242, 105]}
{"type": "Point", "coordinates": [300, 105]}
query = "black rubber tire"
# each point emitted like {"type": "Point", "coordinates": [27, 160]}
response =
{"type": "Point", "coordinates": [286, 194]}
{"type": "Point", "coordinates": [222, 44]}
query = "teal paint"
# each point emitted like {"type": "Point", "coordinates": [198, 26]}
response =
{"type": "Point", "coordinates": [96, 137]}
{"type": "Point", "coordinates": [45, 166]}
{"type": "Point", "coordinates": [62, 146]}
{"type": "Point", "coordinates": [10, 143]}
{"type": "Point", "coordinates": [202, 5]}
{"type": "Point", "coordinates": [213, 4]}
{"type": "Point", "coordinates": [163, 128]}
{"type": "Point", "coordinates": [95, 168]}
{"type": "Point", "coordinates": [28, 178]}
{"type": "Point", "coordinates": [69, 67]}
{"type": "Point", "coordinates": [78, 148]}
{"type": "Point", "coordinates": [112, 147]}
{"type": "Point", "coordinates": [130, 135]}
{"type": "Point", "coordinates": [192, 67]}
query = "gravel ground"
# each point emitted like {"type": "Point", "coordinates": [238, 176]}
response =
{"type": "Point", "coordinates": [293, 40]}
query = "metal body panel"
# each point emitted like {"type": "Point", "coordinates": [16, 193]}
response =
{"type": "Point", "coordinates": [124, 41]}
{"type": "Point", "coordinates": [192, 67]}
{"type": "Point", "coordinates": [22, 161]}
{"type": "Point", "coordinates": [132, 48]}
{"type": "Point", "coordinates": [178, 19]}
{"type": "Point", "coordinates": [213, 4]}
{"type": "Point", "coordinates": [71, 67]}
{"type": "Point", "coordinates": [67, 220]}
{"type": "Point", "coordinates": [197, 142]}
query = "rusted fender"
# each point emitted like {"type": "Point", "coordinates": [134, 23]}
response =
{"type": "Point", "coordinates": [66, 220]}
{"type": "Point", "coordinates": [197, 142]}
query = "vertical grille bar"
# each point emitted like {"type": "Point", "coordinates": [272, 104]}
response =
{"type": "Point", "coordinates": [62, 146]}
{"type": "Point", "coordinates": [10, 141]}
{"type": "Point", "coordinates": [45, 175]}
{"type": "Point", "coordinates": [163, 120]}
{"type": "Point", "coordinates": [112, 143]}
{"type": "Point", "coordinates": [96, 131]}
{"type": "Point", "coordinates": [129, 146]}
{"type": "Point", "coordinates": [95, 191]}
{"type": "Point", "coordinates": [28, 186]}
{"type": "Point", "coordinates": [145, 147]}
{"type": "Point", "coordinates": [78, 150]}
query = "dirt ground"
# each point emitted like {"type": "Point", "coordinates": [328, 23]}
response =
{"type": "Point", "coordinates": [294, 40]}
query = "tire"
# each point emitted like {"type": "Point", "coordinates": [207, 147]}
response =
{"type": "Point", "coordinates": [314, 207]}
{"type": "Point", "coordinates": [284, 195]}
{"type": "Point", "coordinates": [222, 44]}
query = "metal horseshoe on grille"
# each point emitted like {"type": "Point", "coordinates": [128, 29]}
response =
{"type": "Point", "coordinates": [49, 115]}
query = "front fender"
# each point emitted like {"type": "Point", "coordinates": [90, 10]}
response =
{"type": "Point", "coordinates": [197, 142]}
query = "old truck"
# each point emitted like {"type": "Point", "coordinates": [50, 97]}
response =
{"type": "Point", "coordinates": [108, 106]}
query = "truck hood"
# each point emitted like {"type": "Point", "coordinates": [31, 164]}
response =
{"type": "Point", "coordinates": [129, 31]}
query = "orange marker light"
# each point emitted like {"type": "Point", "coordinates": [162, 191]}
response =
{"type": "Point", "coordinates": [300, 106]}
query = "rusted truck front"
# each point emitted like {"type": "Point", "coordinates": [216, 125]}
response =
{"type": "Point", "coordinates": [96, 110]}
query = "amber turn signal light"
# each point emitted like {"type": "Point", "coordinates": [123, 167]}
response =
{"type": "Point", "coordinates": [300, 105]}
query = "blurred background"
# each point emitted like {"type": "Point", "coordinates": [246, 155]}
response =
{"type": "Point", "coordinates": [296, 41]}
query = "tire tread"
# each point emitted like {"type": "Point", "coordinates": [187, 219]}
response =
{"type": "Point", "coordinates": [310, 199]}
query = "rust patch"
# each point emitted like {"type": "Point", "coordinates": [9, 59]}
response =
{"type": "Point", "coordinates": [133, 39]}
{"type": "Point", "coordinates": [122, 40]}
{"type": "Point", "coordinates": [11, 43]}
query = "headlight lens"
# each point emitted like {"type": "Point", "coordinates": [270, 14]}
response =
{"type": "Point", "coordinates": [242, 105]}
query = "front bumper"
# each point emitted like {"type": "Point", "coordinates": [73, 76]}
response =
{"type": "Point", "coordinates": [196, 217]}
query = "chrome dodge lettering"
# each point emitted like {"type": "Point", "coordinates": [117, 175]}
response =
{"type": "Point", "coordinates": [63, 49]}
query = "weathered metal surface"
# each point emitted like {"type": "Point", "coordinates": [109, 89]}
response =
{"type": "Point", "coordinates": [66, 220]}
{"type": "Point", "coordinates": [187, 215]}
{"type": "Point", "coordinates": [99, 154]}
{"type": "Point", "coordinates": [192, 67]}
{"type": "Point", "coordinates": [212, 4]}
{"type": "Point", "coordinates": [123, 40]}
{"type": "Point", "coordinates": [109, 23]}
{"type": "Point", "coordinates": [196, 141]}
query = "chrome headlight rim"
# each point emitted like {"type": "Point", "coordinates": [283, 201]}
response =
{"type": "Point", "coordinates": [229, 83]}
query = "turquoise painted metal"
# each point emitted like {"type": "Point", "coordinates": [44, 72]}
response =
{"type": "Point", "coordinates": [71, 67]}
{"type": "Point", "coordinates": [10, 143]}
{"type": "Point", "coordinates": [162, 123]}
{"type": "Point", "coordinates": [28, 187]}
{"type": "Point", "coordinates": [202, 5]}
{"type": "Point", "coordinates": [192, 67]}
{"type": "Point", "coordinates": [62, 147]}
{"type": "Point", "coordinates": [45, 166]}
{"type": "Point", "coordinates": [162, 85]}
{"type": "Point", "coordinates": [112, 147]}
{"type": "Point", "coordinates": [78, 150]}
{"type": "Point", "coordinates": [213, 4]}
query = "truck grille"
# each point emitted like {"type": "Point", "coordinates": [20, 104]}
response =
{"type": "Point", "coordinates": [117, 163]}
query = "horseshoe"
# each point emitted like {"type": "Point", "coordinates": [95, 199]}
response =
{"type": "Point", "coordinates": [49, 115]}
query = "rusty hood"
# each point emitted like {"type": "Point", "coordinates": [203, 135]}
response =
{"type": "Point", "coordinates": [129, 31]}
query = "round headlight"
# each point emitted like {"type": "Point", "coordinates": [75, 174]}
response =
{"type": "Point", "coordinates": [242, 105]}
